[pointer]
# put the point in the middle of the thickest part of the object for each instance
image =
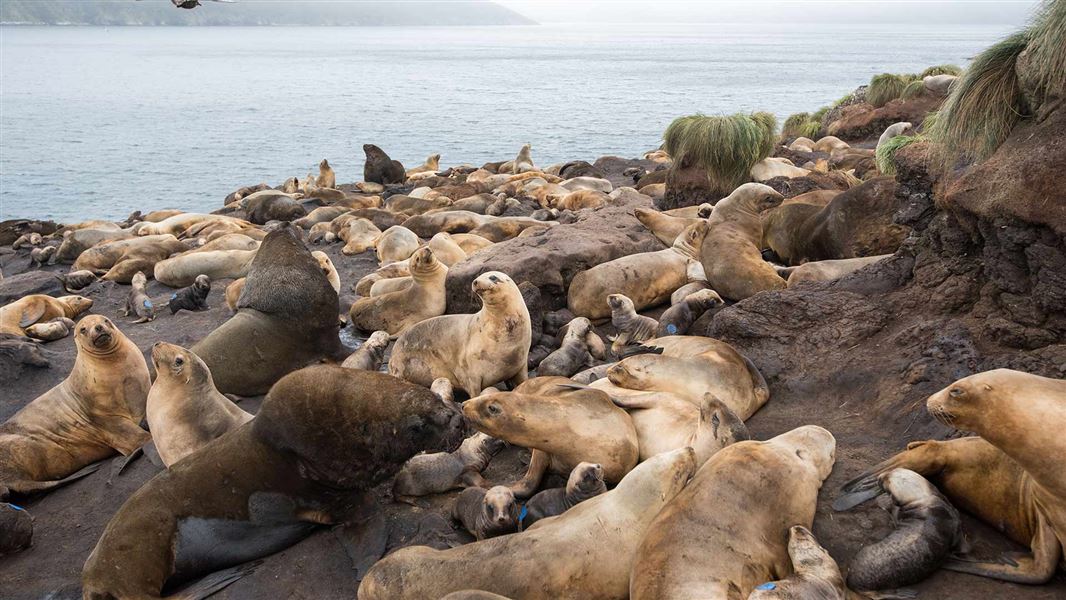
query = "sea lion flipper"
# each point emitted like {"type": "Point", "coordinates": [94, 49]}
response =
{"type": "Point", "coordinates": [31, 314]}
{"type": "Point", "coordinates": [897, 594]}
{"type": "Point", "coordinates": [215, 582]}
{"type": "Point", "coordinates": [849, 501]}
{"type": "Point", "coordinates": [633, 350]}
{"type": "Point", "coordinates": [30, 487]}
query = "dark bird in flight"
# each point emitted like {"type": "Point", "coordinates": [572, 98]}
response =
{"type": "Point", "coordinates": [192, 3]}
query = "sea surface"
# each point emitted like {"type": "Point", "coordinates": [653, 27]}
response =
{"type": "Point", "coordinates": [98, 122]}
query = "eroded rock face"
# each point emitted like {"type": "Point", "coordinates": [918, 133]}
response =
{"type": "Point", "coordinates": [861, 122]}
{"type": "Point", "coordinates": [550, 259]}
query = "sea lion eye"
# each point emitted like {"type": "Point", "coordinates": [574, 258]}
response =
{"type": "Point", "coordinates": [494, 409]}
{"type": "Point", "coordinates": [82, 330]}
{"type": "Point", "coordinates": [955, 392]}
{"type": "Point", "coordinates": [179, 361]}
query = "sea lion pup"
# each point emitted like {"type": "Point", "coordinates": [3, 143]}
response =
{"type": "Point", "coordinates": [725, 532]}
{"type": "Point", "coordinates": [771, 167]}
{"type": "Point", "coordinates": [42, 256]}
{"type": "Point", "coordinates": [731, 253]}
{"type": "Point", "coordinates": [927, 528]}
{"type": "Point", "coordinates": [389, 271]}
{"type": "Point", "coordinates": [362, 235]}
{"type": "Point", "coordinates": [680, 316]}
{"type": "Point", "coordinates": [326, 177]}
{"type": "Point", "coordinates": [379, 168]}
{"type": "Point", "coordinates": [49, 331]}
{"type": "Point", "coordinates": [586, 552]}
{"type": "Point", "coordinates": [16, 316]}
{"type": "Point", "coordinates": [684, 291]}
{"type": "Point", "coordinates": [192, 298]}
{"type": "Point", "coordinates": [830, 143]}
{"type": "Point", "coordinates": [901, 128]}
{"type": "Point", "coordinates": [16, 529]}
{"type": "Point", "coordinates": [437, 473]}
{"type": "Point", "coordinates": [445, 249]}
{"type": "Point", "coordinates": [328, 270]}
{"type": "Point", "coordinates": [137, 301]}
{"type": "Point", "coordinates": [432, 165]}
{"type": "Point", "coordinates": [563, 424]}
{"type": "Point", "coordinates": [233, 293]}
{"type": "Point", "coordinates": [183, 269]}
{"type": "Point", "coordinates": [473, 351]}
{"type": "Point", "coordinates": [580, 346]}
{"type": "Point", "coordinates": [632, 328]}
{"type": "Point", "coordinates": [90, 415]}
{"type": "Point", "coordinates": [664, 226]}
{"type": "Point", "coordinates": [647, 278]}
{"type": "Point", "coordinates": [396, 243]}
{"type": "Point", "coordinates": [27, 239]}
{"type": "Point", "coordinates": [1023, 495]}
{"type": "Point", "coordinates": [76, 280]}
{"type": "Point", "coordinates": [815, 576]}
{"type": "Point", "coordinates": [184, 410]}
{"type": "Point", "coordinates": [827, 270]}
{"type": "Point", "coordinates": [286, 318]}
{"type": "Point", "coordinates": [397, 311]}
{"type": "Point", "coordinates": [370, 354]}
{"type": "Point", "coordinates": [323, 437]}
{"type": "Point", "coordinates": [585, 481]}
{"type": "Point", "coordinates": [487, 513]}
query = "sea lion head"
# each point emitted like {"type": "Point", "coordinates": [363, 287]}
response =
{"type": "Point", "coordinates": [585, 477]}
{"type": "Point", "coordinates": [372, 151]}
{"type": "Point", "coordinates": [495, 288]}
{"type": "Point", "coordinates": [814, 445]}
{"type": "Point", "coordinates": [174, 362]}
{"type": "Point", "coordinates": [754, 197]}
{"type": "Point", "coordinates": [423, 261]}
{"type": "Point", "coordinates": [705, 210]}
{"type": "Point", "coordinates": [725, 424]}
{"type": "Point", "coordinates": [906, 486]}
{"type": "Point", "coordinates": [78, 304]}
{"type": "Point", "coordinates": [202, 282]}
{"type": "Point", "coordinates": [620, 303]}
{"type": "Point", "coordinates": [691, 239]}
{"type": "Point", "coordinates": [625, 373]}
{"type": "Point", "coordinates": [525, 415]}
{"type": "Point", "coordinates": [500, 506]}
{"type": "Point", "coordinates": [433, 160]}
{"type": "Point", "coordinates": [705, 299]}
{"type": "Point", "coordinates": [97, 335]}
{"type": "Point", "coordinates": [964, 403]}
{"type": "Point", "coordinates": [808, 555]}
{"type": "Point", "coordinates": [324, 164]}
{"type": "Point", "coordinates": [139, 279]}
{"type": "Point", "coordinates": [377, 340]}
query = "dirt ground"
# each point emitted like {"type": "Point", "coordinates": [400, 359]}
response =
{"type": "Point", "coordinates": [331, 561]}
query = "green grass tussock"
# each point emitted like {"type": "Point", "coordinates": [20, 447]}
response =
{"type": "Point", "coordinates": [886, 154]}
{"type": "Point", "coordinates": [941, 70]}
{"type": "Point", "coordinates": [726, 146]}
{"type": "Point", "coordinates": [802, 125]}
{"type": "Point", "coordinates": [885, 88]}
{"type": "Point", "coordinates": [914, 89]}
{"type": "Point", "coordinates": [1047, 49]}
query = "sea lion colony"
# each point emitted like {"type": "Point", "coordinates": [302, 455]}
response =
{"type": "Point", "coordinates": [642, 478]}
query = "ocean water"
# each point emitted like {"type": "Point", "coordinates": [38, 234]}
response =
{"type": "Point", "coordinates": [97, 122]}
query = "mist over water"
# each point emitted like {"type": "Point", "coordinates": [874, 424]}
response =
{"type": "Point", "coordinates": [98, 122]}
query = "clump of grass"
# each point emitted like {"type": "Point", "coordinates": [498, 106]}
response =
{"type": "Point", "coordinates": [941, 70]}
{"type": "Point", "coordinates": [886, 153]}
{"type": "Point", "coordinates": [845, 99]}
{"type": "Point", "coordinates": [820, 113]}
{"type": "Point", "coordinates": [985, 104]}
{"type": "Point", "coordinates": [914, 89]}
{"type": "Point", "coordinates": [725, 146]}
{"type": "Point", "coordinates": [885, 88]}
{"type": "Point", "coordinates": [929, 120]}
{"type": "Point", "coordinates": [1047, 50]}
{"type": "Point", "coordinates": [810, 130]}
{"type": "Point", "coordinates": [801, 125]}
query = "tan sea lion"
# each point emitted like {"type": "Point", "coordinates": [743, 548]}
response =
{"type": "Point", "coordinates": [389, 271]}
{"type": "Point", "coordinates": [830, 143]}
{"type": "Point", "coordinates": [137, 301]}
{"type": "Point", "coordinates": [585, 481]}
{"type": "Point", "coordinates": [28, 239]}
{"type": "Point", "coordinates": [725, 532]}
{"type": "Point", "coordinates": [43, 256]}
{"type": "Point", "coordinates": [370, 354]}
{"type": "Point", "coordinates": [323, 437]}
{"type": "Point", "coordinates": [326, 177]}
{"type": "Point", "coordinates": [51, 330]}
{"type": "Point", "coordinates": [392, 284]}
{"type": "Point", "coordinates": [120, 260]}
{"type": "Point", "coordinates": [395, 312]}
{"type": "Point", "coordinates": [79, 240]}
{"type": "Point", "coordinates": [184, 410]}
{"type": "Point", "coordinates": [647, 278]}
{"type": "Point", "coordinates": [90, 415]}
{"type": "Point", "coordinates": [322, 214]}
{"type": "Point", "coordinates": [445, 249]}
{"type": "Point", "coordinates": [802, 144]}
{"type": "Point", "coordinates": [396, 243]}
{"type": "Point", "coordinates": [580, 346]}
{"type": "Point", "coordinates": [16, 316]}
{"type": "Point", "coordinates": [183, 269]}
{"type": "Point", "coordinates": [585, 553]}
{"type": "Point", "coordinates": [681, 315]}
{"type": "Point", "coordinates": [827, 270]}
{"type": "Point", "coordinates": [505, 228]}
{"type": "Point", "coordinates": [521, 164]}
{"type": "Point", "coordinates": [562, 425]}
{"type": "Point", "coordinates": [474, 351]}
{"type": "Point", "coordinates": [580, 199]}
{"type": "Point", "coordinates": [362, 235]}
{"type": "Point", "coordinates": [487, 513]}
{"type": "Point", "coordinates": [664, 226]}
{"type": "Point", "coordinates": [815, 576]}
{"type": "Point", "coordinates": [732, 251]}
{"type": "Point", "coordinates": [432, 165]}
{"type": "Point", "coordinates": [452, 221]}
{"type": "Point", "coordinates": [76, 280]}
{"type": "Point", "coordinates": [286, 318]}
{"type": "Point", "coordinates": [328, 269]}
{"type": "Point", "coordinates": [440, 472]}
{"type": "Point", "coordinates": [233, 293]}
{"type": "Point", "coordinates": [901, 128]}
{"type": "Point", "coordinates": [632, 328]}
{"type": "Point", "coordinates": [177, 224]}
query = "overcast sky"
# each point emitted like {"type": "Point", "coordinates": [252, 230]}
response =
{"type": "Point", "coordinates": [999, 12]}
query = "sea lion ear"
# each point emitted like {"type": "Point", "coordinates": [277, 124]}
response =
{"type": "Point", "coordinates": [987, 387]}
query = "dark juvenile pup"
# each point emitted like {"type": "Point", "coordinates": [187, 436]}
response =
{"type": "Point", "coordinates": [193, 297]}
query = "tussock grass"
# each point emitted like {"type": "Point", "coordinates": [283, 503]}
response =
{"type": "Point", "coordinates": [914, 89]}
{"type": "Point", "coordinates": [725, 146]}
{"type": "Point", "coordinates": [885, 88]}
{"type": "Point", "coordinates": [886, 154]}
{"type": "Point", "coordinates": [1047, 49]}
{"type": "Point", "coordinates": [941, 70]}
{"type": "Point", "coordinates": [801, 125]}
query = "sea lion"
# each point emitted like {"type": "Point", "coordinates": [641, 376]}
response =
{"type": "Point", "coordinates": [680, 316]}
{"type": "Point", "coordinates": [432, 165]}
{"type": "Point", "coordinates": [323, 437]}
{"type": "Point", "coordinates": [927, 528]}
{"type": "Point", "coordinates": [90, 415]}
{"type": "Point", "coordinates": [76, 280]}
{"type": "Point", "coordinates": [288, 187]}
{"type": "Point", "coordinates": [901, 128]}
{"type": "Point", "coordinates": [815, 576]}
{"type": "Point", "coordinates": [244, 192]}
{"type": "Point", "coordinates": [771, 167]}
{"type": "Point", "coordinates": [830, 143]}
{"type": "Point", "coordinates": [270, 205]}
{"type": "Point", "coordinates": [522, 163]}
{"type": "Point", "coordinates": [326, 177]}
{"type": "Point", "coordinates": [826, 270]}
{"type": "Point", "coordinates": [689, 288]}
{"type": "Point", "coordinates": [286, 318]}
{"type": "Point", "coordinates": [16, 529]}
{"type": "Point", "coordinates": [389, 271]}
{"type": "Point", "coordinates": [586, 552]}
{"type": "Point", "coordinates": [387, 286]}
{"type": "Point", "coordinates": [184, 410]}
{"type": "Point", "coordinates": [322, 214]}
{"type": "Point", "coordinates": [416, 204]}
{"type": "Point", "coordinates": [580, 346]}
{"type": "Point", "coordinates": [192, 298]}
{"type": "Point", "coordinates": [580, 199]}
{"type": "Point", "coordinates": [647, 278]}
{"type": "Point", "coordinates": [27, 239]}
{"type": "Point", "coordinates": [802, 144]}
{"type": "Point", "coordinates": [474, 351]}
{"type": "Point", "coordinates": [664, 226]}
{"type": "Point", "coordinates": [487, 513]}
{"type": "Point", "coordinates": [182, 270]}
{"type": "Point", "coordinates": [445, 249]}
{"type": "Point", "coordinates": [137, 301]}
{"type": "Point", "coordinates": [120, 260]}
{"type": "Point", "coordinates": [178, 224]}
{"type": "Point", "coordinates": [632, 328]}
{"type": "Point", "coordinates": [585, 481]}
{"type": "Point", "coordinates": [379, 168]}
{"type": "Point", "coordinates": [427, 474]}
{"type": "Point", "coordinates": [370, 354]}
{"type": "Point", "coordinates": [939, 84]}
{"type": "Point", "coordinates": [330, 271]}
{"type": "Point", "coordinates": [501, 229]}
{"type": "Point", "coordinates": [395, 312]}
{"type": "Point", "coordinates": [725, 532]}
{"type": "Point", "coordinates": [731, 253]}
{"type": "Point", "coordinates": [43, 256]}
{"type": "Point", "coordinates": [396, 243]}
{"type": "Point", "coordinates": [49, 331]}
{"type": "Point", "coordinates": [452, 221]}
{"type": "Point", "coordinates": [362, 235]}
{"type": "Point", "coordinates": [233, 293]}
{"type": "Point", "coordinates": [562, 425]}
{"type": "Point", "coordinates": [16, 316]}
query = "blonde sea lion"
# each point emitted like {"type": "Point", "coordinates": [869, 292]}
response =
{"type": "Point", "coordinates": [43, 256]}
{"type": "Point", "coordinates": [79, 240]}
{"type": "Point", "coordinates": [563, 426]}
{"type": "Point", "coordinates": [49, 331]}
{"type": "Point", "coordinates": [445, 249]}
{"type": "Point", "coordinates": [500, 229]}
{"type": "Point", "coordinates": [768, 168]}
{"type": "Point", "coordinates": [184, 410]}
{"type": "Point", "coordinates": [326, 177]}
{"type": "Point", "coordinates": [177, 224]}
{"type": "Point", "coordinates": [585, 481]}
{"type": "Point", "coordinates": [27, 239]}
{"type": "Point", "coordinates": [802, 144]}
{"type": "Point", "coordinates": [662, 225]}
{"type": "Point", "coordinates": [322, 214]}
{"type": "Point", "coordinates": [522, 163]}
{"type": "Point", "coordinates": [632, 328]}
{"type": "Point", "coordinates": [681, 315]}
{"type": "Point", "coordinates": [901, 128]}
{"type": "Point", "coordinates": [233, 293]}
{"type": "Point", "coordinates": [580, 347]}
{"type": "Point", "coordinates": [585, 553]}
{"type": "Point", "coordinates": [370, 354]}
{"type": "Point", "coordinates": [328, 269]}
{"type": "Point", "coordinates": [90, 415]}
{"type": "Point", "coordinates": [452, 221]}
{"type": "Point", "coordinates": [137, 301]}
{"type": "Point", "coordinates": [487, 513]}
{"type": "Point", "coordinates": [815, 576]}
{"type": "Point", "coordinates": [580, 199]}
{"type": "Point", "coordinates": [441, 472]}
{"type": "Point", "coordinates": [362, 236]}
{"type": "Point", "coordinates": [827, 270]}
{"type": "Point", "coordinates": [396, 312]}
{"type": "Point", "coordinates": [432, 165]}
{"type": "Point", "coordinates": [939, 84]}
{"type": "Point", "coordinates": [396, 243]}
{"type": "Point", "coordinates": [120, 260]}
{"type": "Point", "coordinates": [830, 143]}
{"type": "Point", "coordinates": [182, 270]}
{"type": "Point", "coordinates": [725, 532]}
{"type": "Point", "coordinates": [387, 286]}
{"type": "Point", "coordinates": [473, 351]}
{"type": "Point", "coordinates": [16, 316]}
{"type": "Point", "coordinates": [647, 278]}
{"type": "Point", "coordinates": [389, 271]}
{"type": "Point", "coordinates": [731, 253]}
{"type": "Point", "coordinates": [689, 288]}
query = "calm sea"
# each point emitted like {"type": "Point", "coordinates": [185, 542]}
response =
{"type": "Point", "coordinates": [98, 122]}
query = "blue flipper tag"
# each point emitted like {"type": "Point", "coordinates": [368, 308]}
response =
{"type": "Point", "coordinates": [147, 303]}
{"type": "Point", "coordinates": [522, 515]}
{"type": "Point", "coordinates": [671, 329]}
{"type": "Point", "coordinates": [767, 586]}
{"type": "Point", "coordinates": [16, 507]}
{"type": "Point", "coordinates": [173, 296]}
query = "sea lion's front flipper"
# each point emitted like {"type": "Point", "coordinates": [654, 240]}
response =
{"type": "Point", "coordinates": [31, 315]}
{"type": "Point", "coordinates": [214, 582]}
{"type": "Point", "coordinates": [1034, 568]}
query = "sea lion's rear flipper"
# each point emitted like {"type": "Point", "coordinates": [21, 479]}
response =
{"type": "Point", "coordinates": [31, 487]}
{"type": "Point", "coordinates": [896, 594]}
{"type": "Point", "coordinates": [214, 582]}
{"type": "Point", "coordinates": [635, 349]}
{"type": "Point", "coordinates": [865, 487]}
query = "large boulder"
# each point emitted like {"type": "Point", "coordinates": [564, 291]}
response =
{"type": "Point", "coordinates": [31, 282]}
{"type": "Point", "coordinates": [551, 258]}
{"type": "Point", "coordinates": [862, 122]}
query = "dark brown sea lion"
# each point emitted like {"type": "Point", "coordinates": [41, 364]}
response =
{"type": "Point", "coordinates": [379, 168]}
